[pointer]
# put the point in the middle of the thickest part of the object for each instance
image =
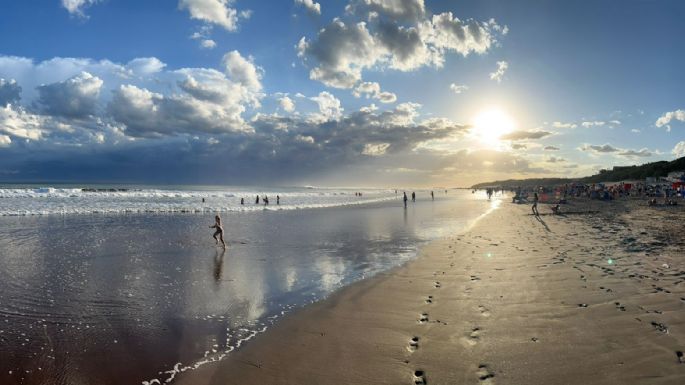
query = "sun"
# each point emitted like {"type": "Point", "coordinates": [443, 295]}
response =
{"type": "Point", "coordinates": [490, 124]}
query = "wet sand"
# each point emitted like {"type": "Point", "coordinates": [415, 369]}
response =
{"type": "Point", "coordinates": [574, 299]}
{"type": "Point", "coordinates": [123, 299]}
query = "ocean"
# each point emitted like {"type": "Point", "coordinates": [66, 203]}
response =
{"type": "Point", "coordinates": [124, 285]}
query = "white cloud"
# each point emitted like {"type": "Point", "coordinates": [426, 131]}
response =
{"type": "Point", "coordinates": [405, 10]}
{"type": "Point", "coordinates": [311, 6]}
{"type": "Point", "coordinates": [642, 153]}
{"type": "Point", "coordinates": [287, 104]}
{"type": "Point", "coordinates": [679, 149]}
{"type": "Point", "coordinates": [373, 90]}
{"type": "Point", "coordinates": [564, 125]}
{"type": "Point", "coordinates": [16, 121]}
{"type": "Point", "coordinates": [458, 89]}
{"type": "Point", "coordinates": [609, 149]}
{"type": "Point", "coordinates": [329, 107]}
{"type": "Point", "coordinates": [341, 51]}
{"type": "Point", "coordinates": [76, 7]}
{"type": "Point", "coordinates": [217, 12]}
{"type": "Point", "coordinates": [502, 67]}
{"type": "Point", "coordinates": [5, 141]}
{"type": "Point", "coordinates": [144, 66]}
{"type": "Point", "coordinates": [207, 44]}
{"type": "Point", "coordinates": [375, 149]}
{"type": "Point", "coordinates": [596, 123]}
{"type": "Point", "coordinates": [243, 70]}
{"type": "Point", "coordinates": [606, 148]}
{"type": "Point", "coordinates": [666, 118]}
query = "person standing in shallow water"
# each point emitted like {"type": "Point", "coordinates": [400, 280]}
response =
{"type": "Point", "coordinates": [405, 200]}
{"type": "Point", "coordinates": [257, 200]}
{"type": "Point", "coordinates": [413, 196]}
{"type": "Point", "coordinates": [219, 231]}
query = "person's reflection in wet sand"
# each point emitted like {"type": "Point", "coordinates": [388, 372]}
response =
{"type": "Point", "coordinates": [405, 216]}
{"type": "Point", "coordinates": [219, 264]}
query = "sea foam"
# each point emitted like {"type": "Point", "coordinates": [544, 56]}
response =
{"type": "Point", "coordinates": [51, 200]}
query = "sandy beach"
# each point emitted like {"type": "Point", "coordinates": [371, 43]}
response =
{"type": "Point", "coordinates": [594, 296]}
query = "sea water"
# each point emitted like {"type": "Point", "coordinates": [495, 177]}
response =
{"type": "Point", "coordinates": [135, 296]}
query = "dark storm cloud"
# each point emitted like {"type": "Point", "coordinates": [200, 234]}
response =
{"type": "Point", "coordinates": [277, 149]}
{"type": "Point", "coordinates": [76, 97]}
{"type": "Point", "coordinates": [10, 92]}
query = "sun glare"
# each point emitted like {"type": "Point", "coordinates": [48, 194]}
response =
{"type": "Point", "coordinates": [491, 124]}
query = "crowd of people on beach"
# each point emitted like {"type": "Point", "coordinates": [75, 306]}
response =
{"type": "Point", "coordinates": [558, 195]}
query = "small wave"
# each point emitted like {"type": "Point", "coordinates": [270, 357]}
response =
{"type": "Point", "coordinates": [63, 201]}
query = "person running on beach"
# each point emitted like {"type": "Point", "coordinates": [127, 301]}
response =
{"type": "Point", "coordinates": [219, 231]}
{"type": "Point", "coordinates": [405, 199]}
{"type": "Point", "coordinates": [535, 204]}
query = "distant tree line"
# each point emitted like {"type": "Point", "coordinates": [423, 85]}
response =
{"type": "Point", "coordinates": [616, 174]}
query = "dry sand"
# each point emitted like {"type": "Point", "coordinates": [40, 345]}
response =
{"type": "Point", "coordinates": [574, 299]}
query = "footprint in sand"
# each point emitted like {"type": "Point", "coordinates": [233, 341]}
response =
{"type": "Point", "coordinates": [619, 306]}
{"type": "Point", "coordinates": [420, 377]}
{"type": "Point", "coordinates": [473, 338]}
{"type": "Point", "coordinates": [429, 299]}
{"type": "Point", "coordinates": [437, 284]}
{"type": "Point", "coordinates": [423, 318]}
{"type": "Point", "coordinates": [660, 327]}
{"type": "Point", "coordinates": [475, 278]}
{"type": "Point", "coordinates": [484, 311]}
{"type": "Point", "coordinates": [413, 344]}
{"type": "Point", "coordinates": [485, 374]}
{"type": "Point", "coordinates": [681, 359]}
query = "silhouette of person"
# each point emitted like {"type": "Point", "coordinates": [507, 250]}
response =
{"type": "Point", "coordinates": [405, 199]}
{"type": "Point", "coordinates": [278, 199]}
{"type": "Point", "coordinates": [413, 196]}
{"type": "Point", "coordinates": [219, 231]}
{"type": "Point", "coordinates": [242, 201]}
{"type": "Point", "coordinates": [432, 196]}
{"type": "Point", "coordinates": [257, 200]}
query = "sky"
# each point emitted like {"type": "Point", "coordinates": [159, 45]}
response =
{"type": "Point", "coordinates": [381, 93]}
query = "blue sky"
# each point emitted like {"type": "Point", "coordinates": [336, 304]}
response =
{"type": "Point", "coordinates": [355, 92]}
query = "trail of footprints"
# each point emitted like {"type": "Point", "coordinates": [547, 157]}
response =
{"type": "Point", "coordinates": [484, 374]}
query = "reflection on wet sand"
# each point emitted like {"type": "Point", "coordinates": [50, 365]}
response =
{"type": "Point", "coordinates": [80, 292]}
{"type": "Point", "coordinates": [219, 263]}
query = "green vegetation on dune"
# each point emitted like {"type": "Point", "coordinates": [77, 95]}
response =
{"type": "Point", "coordinates": [618, 173]}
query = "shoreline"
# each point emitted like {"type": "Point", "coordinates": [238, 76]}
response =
{"type": "Point", "coordinates": [515, 299]}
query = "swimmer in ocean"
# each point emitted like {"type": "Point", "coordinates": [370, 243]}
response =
{"type": "Point", "coordinates": [219, 231]}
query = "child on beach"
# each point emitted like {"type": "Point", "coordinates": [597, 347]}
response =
{"type": "Point", "coordinates": [219, 231]}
